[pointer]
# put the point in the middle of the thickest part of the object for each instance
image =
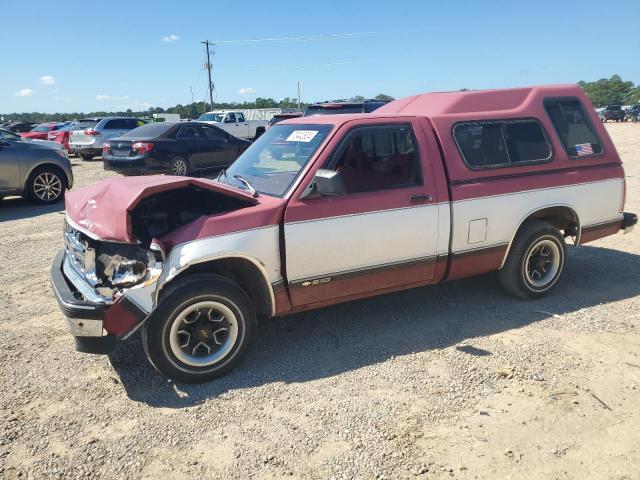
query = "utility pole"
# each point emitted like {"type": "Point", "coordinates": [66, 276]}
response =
{"type": "Point", "coordinates": [208, 66]}
{"type": "Point", "coordinates": [298, 94]}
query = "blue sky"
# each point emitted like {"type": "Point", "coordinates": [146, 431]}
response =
{"type": "Point", "coordinates": [84, 56]}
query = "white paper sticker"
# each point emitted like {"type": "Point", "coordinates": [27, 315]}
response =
{"type": "Point", "coordinates": [302, 136]}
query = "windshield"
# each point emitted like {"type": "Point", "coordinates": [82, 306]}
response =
{"type": "Point", "coordinates": [7, 135]}
{"type": "Point", "coordinates": [212, 117]}
{"type": "Point", "coordinates": [274, 161]}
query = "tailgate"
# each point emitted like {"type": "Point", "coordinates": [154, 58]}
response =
{"type": "Point", "coordinates": [80, 137]}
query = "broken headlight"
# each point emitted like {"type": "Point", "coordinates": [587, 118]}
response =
{"type": "Point", "coordinates": [121, 272]}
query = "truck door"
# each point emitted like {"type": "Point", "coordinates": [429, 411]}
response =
{"type": "Point", "coordinates": [243, 126]}
{"type": "Point", "coordinates": [232, 126]}
{"type": "Point", "coordinates": [382, 233]}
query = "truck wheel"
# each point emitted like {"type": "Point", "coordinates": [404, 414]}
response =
{"type": "Point", "coordinates": [259, 131]}
{"type": "Point", "coordinates": [179, 167]}
{"type": "Point", "coordinates": [535, 262]}
{"type": "Point", "coordinates": [200, 330]}
{"type": "Point", "coordinates": [46, 185]}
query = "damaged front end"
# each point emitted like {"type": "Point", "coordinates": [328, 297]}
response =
{"type": "Point", "coordinates": [106, 279]}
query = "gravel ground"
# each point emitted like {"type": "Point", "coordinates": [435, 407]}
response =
{"type": "Point", "coordinates": [457, 380]}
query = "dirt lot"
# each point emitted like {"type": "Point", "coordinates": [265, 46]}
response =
{"type": "Point", "coordinates": [457, 380]}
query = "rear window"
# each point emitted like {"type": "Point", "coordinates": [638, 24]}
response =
{"type": "Point", "coordinates": [313, 110]}
{"type": "Point", "coordinates": [573, 127]}
{"type": "Point", "coordinates": [150, 130]}
{"type": "Point", "coordinates": [497, 144]}
{"type": "Point", "coordinates": [614, 108]}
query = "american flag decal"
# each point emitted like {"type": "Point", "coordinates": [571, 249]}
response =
{"type": "Point", "coordinates": [584, 149]}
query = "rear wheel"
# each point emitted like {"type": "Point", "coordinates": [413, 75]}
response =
{"type": "Point", "coordinates": [536, 261]}
{"type": "Point", "coordinates": [259, 132]}
{"type": "Point", "coordinates": [201, 329]}
{"type": "Point", "coordinates": [87, 156]}
{"type": "Point", "coordinates": [46, 185]}
{"type": "Point", "coordinates": [179, 167]}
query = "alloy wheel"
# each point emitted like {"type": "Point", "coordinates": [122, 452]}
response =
{"type": "Point", "coordinates": [47, 186]}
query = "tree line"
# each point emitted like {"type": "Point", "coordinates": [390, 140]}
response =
{"type": "Point", "coordinates": [606, 91]}
{"type": "Point", "coordinates": [191, 110]}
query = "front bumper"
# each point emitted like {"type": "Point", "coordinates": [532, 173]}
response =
{"type": "Point", "coordinates": [95, 323]}
{"type": "Point", "coordinates": [629, 220]}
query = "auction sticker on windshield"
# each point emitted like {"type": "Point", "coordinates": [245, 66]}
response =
{"type": "Point", "coordinates": [302, 136]}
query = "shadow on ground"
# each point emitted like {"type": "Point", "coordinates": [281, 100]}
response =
{"type": "Point", "coordinates": [327, 342]}
{"type": "Point", "coordinates": [17, 208]}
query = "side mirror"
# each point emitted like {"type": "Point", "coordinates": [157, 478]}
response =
{"type": "Point", "coordinates": [228, 120]}
{"type": "Point", "coordinates": [326, 183]}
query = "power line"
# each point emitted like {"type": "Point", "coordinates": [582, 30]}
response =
{"type": "Point", "coordinates": [337, 36]}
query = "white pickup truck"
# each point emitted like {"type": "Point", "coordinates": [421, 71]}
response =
{"type": "Point", "coordinates": [235, 124]}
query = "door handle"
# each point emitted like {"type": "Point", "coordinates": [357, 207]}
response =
{"type": "Point", "coordinates": [421, 197]}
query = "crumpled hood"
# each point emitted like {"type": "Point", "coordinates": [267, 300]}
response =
{"type": "Point", "coordinates": [102, 209]}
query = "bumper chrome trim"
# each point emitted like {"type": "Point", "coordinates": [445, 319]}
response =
{"type": "Point", "coordinates": [83, 287]}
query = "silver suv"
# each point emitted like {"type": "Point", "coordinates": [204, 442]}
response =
{"type": "Point", "coordinates": [87, 143]}
{"type": "Point", "coordinates": [33, 169]}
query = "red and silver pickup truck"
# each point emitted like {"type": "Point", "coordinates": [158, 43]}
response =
{"type": "Point", "coordinates": [326, 209]}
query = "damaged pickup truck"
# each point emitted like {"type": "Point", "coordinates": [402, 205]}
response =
{"type": "Point", "coordinates": [327, 209]}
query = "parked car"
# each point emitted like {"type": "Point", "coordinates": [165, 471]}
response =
{"type": "Point", "coordinates": [633, 113]}
{"type": "Point", "coordinates": [613, 112]}
{"type": "Point", "coordinates": [343, 106]}
{"type": "Point", "coordinates": [20, 127]}
{"type": "Point", "coordinates": [280, 117]}
{"type": "Point", "coordinates": [62, 135]}
{"type": "Point", "coordinates": [87, 142]}
{"type": "Point", "coordinates": [235, 124]}
{"type": "Point", "coordinates": [41, 131]}
{"type": "Point", "coordinates": [434, 187]}
{"type": "Point", "coordinates": [177, 148]}
{"type": "Point", "coordinates": [33, 169]}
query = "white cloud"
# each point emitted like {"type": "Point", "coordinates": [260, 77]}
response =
{"type": "Point", "coordinates": [170, 38]}
{"type": "Point", "coordinates": [100, 96]}
{"type": "Point", "coordinates": [25, 92]}
{"type": "Point", "coordinates": [246, 90]}
{"type": "Point", "coordinates": [47, 80]}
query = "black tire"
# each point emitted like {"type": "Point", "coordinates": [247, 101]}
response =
{"type": "Point", "coordinates": [259, 132]}
{"type": "Point", "coordinates": [179, 166]}
{"type": "Point", "coordinates": [40, 178]}
{"type": "Point", "coordinates": [187, 294]}
{"type": "Point", "coordinates": [527, 258]}
{"type": "Point", "coordinates": [87, 156]}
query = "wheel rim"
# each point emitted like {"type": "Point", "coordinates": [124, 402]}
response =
{"type": "Point", "coordinates": [179, 168]}
{"type": "Point", "coordinates": [47, 186]}
{"type": "Point", "coordinates": [542, 264]}
{"type": "Point", "coordinates": [203, 334]}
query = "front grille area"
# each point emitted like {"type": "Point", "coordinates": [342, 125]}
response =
{"type": "Point", "coordinates": [81, 256]}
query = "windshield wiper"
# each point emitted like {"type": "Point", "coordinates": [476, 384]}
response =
{"type": "Point", "coordinates": [221, 173]}
{"type": "Point", "coordinates": [247, 183]}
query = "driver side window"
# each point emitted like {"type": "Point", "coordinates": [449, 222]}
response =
{"type": "Point", "coordinates": [378, 158]}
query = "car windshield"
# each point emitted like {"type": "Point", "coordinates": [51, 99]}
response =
{"type": "Point", "coordinates": [7, 135]}
{"type": "Point", "coordinates": [273, 162]}
{"type": "Point", "coordinates": [212, 117]}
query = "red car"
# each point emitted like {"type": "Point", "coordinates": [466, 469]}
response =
{"type": "Point", "coordinates": [61, 135]}
{"type": "Point", "coordinates": [41, 131]}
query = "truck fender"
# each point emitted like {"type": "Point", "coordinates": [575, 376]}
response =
{"type": "Point", "coordinates": [198, 265]}
{"type": "Point", "coordinates": [532, 214]}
